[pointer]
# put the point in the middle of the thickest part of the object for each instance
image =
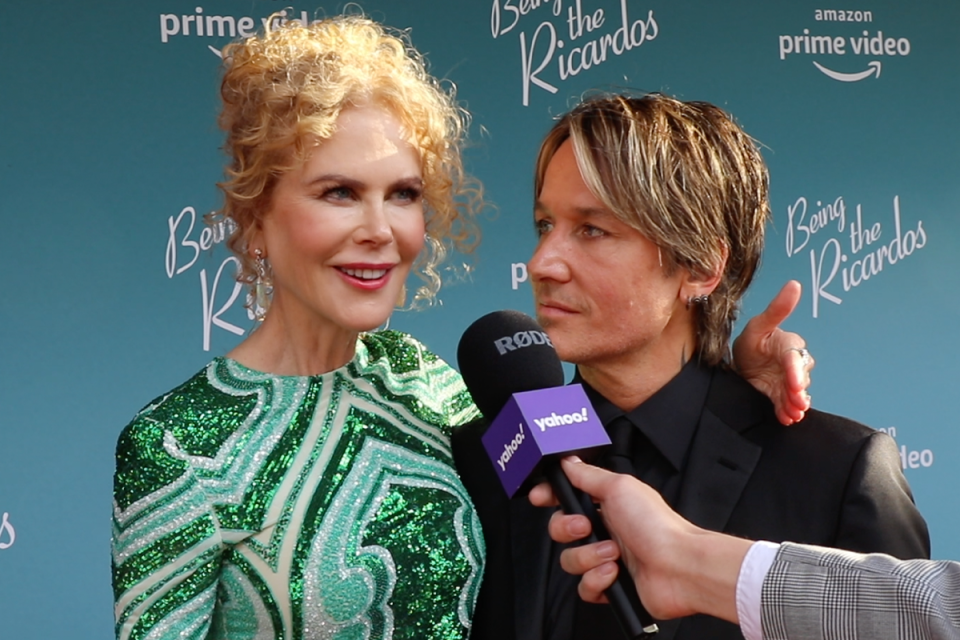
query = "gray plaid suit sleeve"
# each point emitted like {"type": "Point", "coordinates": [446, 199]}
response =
{"type": "Point", "coordinates": [812, 593]}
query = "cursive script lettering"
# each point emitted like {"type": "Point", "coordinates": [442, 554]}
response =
{"type": "Point", "coordinates": [577, 22]}
{"type": "Point", "coordinates": [183, 251]}
{"type": "Point", "coordinates": [209, 297]}
{"type": "Point", "coordinates": [797, 221]}
{"type": "Point", "coordinates": [856, 267]}
{"type": "Point", "coordinates": [546, 59]}
{"type": "Point", "coordinates": [209, 236]}
{"type": "Point", "coordinates": [498, 28]}
{"type": "Point", "coordinates": [172, 244]}
{"type": "Point", "coordinates": [8, 534]}
{"type": "Point", "coordinates": [530, 75]}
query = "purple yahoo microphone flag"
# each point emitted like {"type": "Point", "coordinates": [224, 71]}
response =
{"type": "Point", "coordinates": [533, 424]}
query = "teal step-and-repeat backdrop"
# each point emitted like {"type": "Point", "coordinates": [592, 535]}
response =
{"type": "Point", "coordinates": [114, 291]}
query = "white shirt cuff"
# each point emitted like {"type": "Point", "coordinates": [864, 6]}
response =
{"type": "Point", "coordinates": [754, 569]}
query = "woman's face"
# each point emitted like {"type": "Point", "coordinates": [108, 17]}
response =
{"type": "Point", "coordinates": [344, 227]}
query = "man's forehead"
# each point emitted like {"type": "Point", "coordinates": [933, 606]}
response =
{"type": "Point", "coordinates": [593, 212]}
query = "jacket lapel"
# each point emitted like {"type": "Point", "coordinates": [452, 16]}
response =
{"type": "Point", "coordinates": [721, 460]}
{"type": "Point", "coordinates": [720, 464]}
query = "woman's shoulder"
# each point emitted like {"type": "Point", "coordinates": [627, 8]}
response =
{"type": "Point", "coordinates": [211, 396]}
{"type": "Point", "coordinates": [192, 420]}
{"type": "Point", "coordinates": [143, 464]}
{"type": "Point", "coordinates": [410, 368]}
{"type": "Point", "coordinates": [403, 355]}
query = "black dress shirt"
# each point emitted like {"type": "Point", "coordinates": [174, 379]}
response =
{"type": "Point", "coordinates": [665, 425]}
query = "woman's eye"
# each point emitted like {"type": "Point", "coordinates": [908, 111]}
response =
{"type": "Point", "coordinates": [408, 194]}
{"type": "Point", "coordinates": [338, 193]}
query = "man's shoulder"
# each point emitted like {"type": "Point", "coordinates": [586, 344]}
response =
{"type": "Point", "coordinates": [827, 480]}
{"type": "Point", "coordinates": [840, 427]}
{"type": "Point", "coordinates": [821, 433]}
{"type": "Point", "coordinates": [819, 437]}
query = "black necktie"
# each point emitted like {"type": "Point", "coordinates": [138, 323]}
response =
{"type": "Point", "coordinates": [591, 620]}
{"type": "Point", "coordinates": [620, 456]}
{"type": "Point", "coordinates": [631, 452]}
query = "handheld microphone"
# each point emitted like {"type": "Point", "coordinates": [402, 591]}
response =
{"type": "Point", "coordinates": [513, 372]}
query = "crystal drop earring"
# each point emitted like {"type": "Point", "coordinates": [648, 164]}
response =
{"type": "Point", "coordinates": [262, 288]}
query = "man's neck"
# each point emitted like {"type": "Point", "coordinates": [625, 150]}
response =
{"type": "Point", "coordinates": [629, 383]}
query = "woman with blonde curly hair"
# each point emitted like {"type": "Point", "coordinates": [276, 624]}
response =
{"type": "Point", "coordinates": [303, 485]}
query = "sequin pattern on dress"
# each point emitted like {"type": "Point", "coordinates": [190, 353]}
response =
{"type": "Point", "coordinates": [253, 506]}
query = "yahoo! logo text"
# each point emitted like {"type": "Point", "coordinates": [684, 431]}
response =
{"type": "Point", "coordinates": [554, 420]}
{"type": "Point", "coordinates": [511, 448]}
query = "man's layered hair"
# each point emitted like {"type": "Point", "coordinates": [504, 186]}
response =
{"type": "Point", "coordinates": [685, 176]}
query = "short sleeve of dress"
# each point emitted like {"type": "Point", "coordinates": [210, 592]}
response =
{"type": "Point", "coordinates": [438, 387]}
{"type": "Point", "coordinates": [166, 541]}
{"type": "Point", "coordinates": [458, 406]}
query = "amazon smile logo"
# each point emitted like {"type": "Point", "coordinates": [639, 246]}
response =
{"type": "Point", "coordinates": [844, 58]}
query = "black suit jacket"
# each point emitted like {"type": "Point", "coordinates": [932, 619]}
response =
{"type": "Point", "coordinates": [827, 481]}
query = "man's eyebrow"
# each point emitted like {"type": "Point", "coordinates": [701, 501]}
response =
{"type": "Point", "coordinates": [583, 212]}
{"type": "Point", "coordinates": [593, 212]}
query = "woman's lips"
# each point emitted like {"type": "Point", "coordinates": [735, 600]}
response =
{"type": "Point", "coordinates": [369, 277]}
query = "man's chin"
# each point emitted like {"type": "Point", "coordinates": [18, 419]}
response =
{"type": "Point", "coordinates": [565, 350]}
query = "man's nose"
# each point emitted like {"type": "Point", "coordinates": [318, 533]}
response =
{"type": "Point", "coordinates": [550, 260]}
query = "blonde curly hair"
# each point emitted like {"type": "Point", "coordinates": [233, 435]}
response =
{"type": "Point", "coordinates": [282, 93]}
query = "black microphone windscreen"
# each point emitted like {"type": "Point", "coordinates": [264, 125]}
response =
{"type": "Point", "coordinates": [503, 353]}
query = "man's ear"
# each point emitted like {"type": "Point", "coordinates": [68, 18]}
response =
{"type": "Point", "coordinates": [699, 286]}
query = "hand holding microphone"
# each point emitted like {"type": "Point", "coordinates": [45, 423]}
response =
{"type": "Point", "coordinates": [516, 379]}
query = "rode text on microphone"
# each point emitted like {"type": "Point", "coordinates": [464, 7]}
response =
{"type": "Point", "coordinates": [521, 339]}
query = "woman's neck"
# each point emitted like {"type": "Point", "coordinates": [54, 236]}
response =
{"type": "Point", "coordinates": [282, 347]}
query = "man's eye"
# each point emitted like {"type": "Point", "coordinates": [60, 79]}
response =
{"type": "Point", "coordinates": [542, 226]}
{"type": "Point", "coordinates": [593, 232]}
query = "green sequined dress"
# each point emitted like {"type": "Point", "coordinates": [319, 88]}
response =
{"type": "Point", "coordinates": [249, 505]}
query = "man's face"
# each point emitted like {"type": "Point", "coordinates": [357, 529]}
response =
{"type": "Point", "coordinates": [599, 288]}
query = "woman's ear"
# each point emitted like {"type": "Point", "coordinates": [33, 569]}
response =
{"type": "Point", "coordinates": [256, 240]}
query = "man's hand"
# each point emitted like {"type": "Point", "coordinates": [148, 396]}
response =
{"type": "Point", "coordinates": [666, 555]}
{"type": "Point", "coordinates": [776, 361]}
